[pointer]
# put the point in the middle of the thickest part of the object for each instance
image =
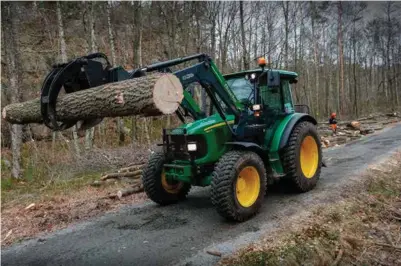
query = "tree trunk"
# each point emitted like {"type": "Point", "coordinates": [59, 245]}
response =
{"type": "Point", "coordinates": [92, 27]}
{"type": "Point", "coordinates": [134, 129]}
{"type": "Point", "coordinates": [285, 6]}
{"type": "Point", "coordinates": [354, 74]}
{"type": "Point", "coordinates": [137, 28]}
{"type": "Point", "coordinates": [341, 57]}
{"type": "Point", "coordinates": [146, 131]}
{"type": "Point", "coordinates": [12, 54]}
{"type": "Point", "coordinates": [90, 133]}
{"type": "Point", "coordinates": [316, 58]}
{"type": "Point", "coordinates": [295, 39]}
{"type": "Point", "coordinates": [152, 95]}
{"type": "Point", "coordinates": [64, 59]}
{"type": "Point", "coordinates": [111, 36]}
{"type": "Point", "coordinates": [244, 51]}
{"type": "Point", "coordinates": [114, 62]}
{"type": "Point", "coordinates": [213, 40]}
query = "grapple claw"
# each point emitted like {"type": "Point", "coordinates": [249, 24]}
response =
{"type": "Point", "coordinates": [78, 74]}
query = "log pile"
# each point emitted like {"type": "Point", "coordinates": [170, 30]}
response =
{"type": "Point", "coordinates": [131, 174]}
{"type": "Point", "coordinates": [352, 130]}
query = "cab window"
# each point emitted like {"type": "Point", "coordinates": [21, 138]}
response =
{"type": "Point", "coordinates": [241, 87]}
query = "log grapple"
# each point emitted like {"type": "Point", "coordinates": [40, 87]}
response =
{"type": "Point", "coordinates": [81, 73]}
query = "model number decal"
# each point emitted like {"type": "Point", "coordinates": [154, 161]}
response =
{"type": "Point", "coordinates": [187, 76]}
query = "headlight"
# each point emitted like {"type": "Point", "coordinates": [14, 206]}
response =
{"type": "Point", "coordinates": [256, 107]}
{"type": "Point", "coordinates": [192, 147]}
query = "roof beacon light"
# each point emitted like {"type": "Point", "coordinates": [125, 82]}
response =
{"type": "Point", "coordinates": [262, 62]}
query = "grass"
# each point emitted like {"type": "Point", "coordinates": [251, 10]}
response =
{"type": "Point", "coordinates": [54, 189]}
{"type": "Point", "coordinates": [362, 229]}
{"type": "Point", "coordinates": [45, 174]}
{"type": "Point", "coordinates": [28, 190]}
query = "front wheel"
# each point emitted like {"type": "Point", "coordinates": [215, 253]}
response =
{"type": "Point", "coordinates": [156, 185]}
{"type": "Point", "coordinates": [302, 157]}
{"type": "Point", "coordinates": [238, 185]}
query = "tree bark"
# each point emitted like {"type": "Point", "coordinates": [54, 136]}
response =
{"type": "Point", "coordinates": [92, 27]}
{"type": "Point", "coordinates": [152, 95]}
{"type": "Point", "coordinates": [315, 56]}
{"type": "Point", "coordinates": [64, 59]}
{"type": "Point", "coordinates": [285, 6]}
{"type": "Point", "coordinates": [111, 36]}
{"type": "Point", "coordinates": [13, 60]}
{"type": "Point", "coordinates": [341, 57]}
{"type": "Point", "coordinates": [90, 133]}
{"type": "Point", "coordinates": [243, 40]}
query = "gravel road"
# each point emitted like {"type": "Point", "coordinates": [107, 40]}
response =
{"type": "Point", "coordinates": [181, 234]}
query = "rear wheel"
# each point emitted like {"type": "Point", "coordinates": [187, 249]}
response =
{"type": "Point", "coordinates": [156, 185]}
{"type": "Point", "coordinates": [238, 185]}
{"type": "Point", "coordinates": [302, 157]}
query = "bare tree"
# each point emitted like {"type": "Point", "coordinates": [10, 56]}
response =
{"type": "Point", "coordinates": [119, 121]}
{"type": "Point", "coordinates": [285, 6]}
{"type": "Point", "coordinates": [341, 59]}
{"type": "Point", "coordinates": [64, 59]}
{"type": "Point", "coordinates": [13, 59]}
{"type": "Point", "coordinates": [245, 57]}
{"type": "Point", "coordinates": [89, 134]}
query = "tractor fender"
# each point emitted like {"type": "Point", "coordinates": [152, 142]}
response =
{"type": "Point", "coordinates": [291, 124]}
{"type": "Point", "coordinates": [280, 138]}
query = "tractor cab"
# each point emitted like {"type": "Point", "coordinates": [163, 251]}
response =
{"type": "Point", "coordinates": [270, 89]}
{"type": "Point", "coordinates": [266, 93]}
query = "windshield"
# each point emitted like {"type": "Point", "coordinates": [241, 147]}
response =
{"type": "Point", "coordinates": [241, 87]}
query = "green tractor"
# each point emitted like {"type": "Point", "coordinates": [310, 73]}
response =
{"type": "Point", "coordinates": [249, 136]}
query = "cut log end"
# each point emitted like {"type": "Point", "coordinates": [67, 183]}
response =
{"type": "Point", "coordinates": [168, 93]}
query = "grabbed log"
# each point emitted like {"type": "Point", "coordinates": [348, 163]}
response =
{"type": "Point", "coordinates": [151, 95]}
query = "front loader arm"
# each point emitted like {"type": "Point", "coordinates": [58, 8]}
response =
{"type": "Point", "coordinates": [87, 71]}
{"type": "Point", "coordinates": [207, 74]}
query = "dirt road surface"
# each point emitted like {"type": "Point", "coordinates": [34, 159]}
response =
{"type": "Point", "coordinates": [182, 234]}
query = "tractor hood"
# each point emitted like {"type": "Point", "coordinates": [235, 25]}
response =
{"type": "Point", "coordinates": [204, 125]}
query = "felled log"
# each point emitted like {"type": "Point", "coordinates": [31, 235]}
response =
{"type": "Point", "coordinates": [134, 175]}
{"type": "Point", "coordinates": [354, 125]}
{"type": "Point", "coordinates": [367, 131]}
{"type": "Point", "coordinates": [152, 95]}
{"type": "Point", "coordinates": [390, 121]}
{"type": "Point", "coordinates": [126, 192]}
{"type": "Point", "coordinates": [214, 253]}
{"type": "Point", "coordinates": [394, 114]}
{"type": "Point", "coordinates": [131, 168]}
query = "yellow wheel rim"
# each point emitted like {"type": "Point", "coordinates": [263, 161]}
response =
{"type": "Point", "coordinates": [248, 186]}
{"type": "Point", "coordinates": [309, 157]}
{"type": "Point", "coordinates": [171, 188]}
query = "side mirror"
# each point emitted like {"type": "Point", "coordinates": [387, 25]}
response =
{"type": "Point", "coordinates": [273, 79]}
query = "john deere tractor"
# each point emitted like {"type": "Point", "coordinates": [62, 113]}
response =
{"type": "Point", "coordinates": [249, 136]}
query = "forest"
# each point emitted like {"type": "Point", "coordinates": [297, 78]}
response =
{"type": "Point", "coordinates": [347, 56]}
